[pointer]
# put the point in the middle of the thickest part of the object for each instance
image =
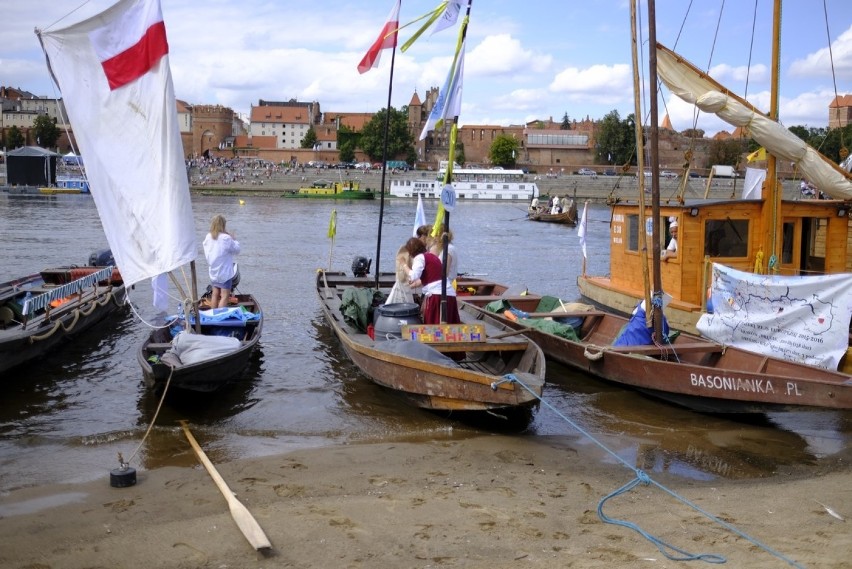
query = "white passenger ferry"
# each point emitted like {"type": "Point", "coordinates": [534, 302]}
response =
{"type": "Point", "coordinates": [471, 184]}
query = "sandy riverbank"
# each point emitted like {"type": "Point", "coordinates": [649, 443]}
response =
{"type": "Point", "coordinates": [492, 501]}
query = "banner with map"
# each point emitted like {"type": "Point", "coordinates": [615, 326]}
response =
{"type": "Point", "coordinates": [802, 319]}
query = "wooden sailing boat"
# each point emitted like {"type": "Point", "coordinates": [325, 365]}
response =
{"type": "Point", "coordinates": [470, 366]}
{"type": "Point", "coordinates": [757, 235]}
{"type": "Point", "coordinates": [688, 370]}
{"type": "Point", "coordinates": [114, 75]}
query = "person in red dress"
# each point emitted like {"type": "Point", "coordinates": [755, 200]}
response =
{"type": "Point", "coordinates": [427, 273]}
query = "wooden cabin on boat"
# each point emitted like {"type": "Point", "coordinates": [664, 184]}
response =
{"type": "Point", "coordinates": [811, 235]}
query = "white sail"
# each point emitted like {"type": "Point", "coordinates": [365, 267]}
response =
{"type": "Point", "coordinates": [687, 82]}
{"type": "Point", "coordinates": [113, 71]}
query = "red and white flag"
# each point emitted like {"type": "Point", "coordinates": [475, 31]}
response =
{"type": "Point", "coordinates": [113, 72]}
{"type": "Point", "coordinates": [131, 43]}
{"type": "Point", "coordinates": [386, 40]}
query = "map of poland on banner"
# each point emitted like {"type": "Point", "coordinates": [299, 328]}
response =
{"type": "Point", "coordinates": [802, 319]}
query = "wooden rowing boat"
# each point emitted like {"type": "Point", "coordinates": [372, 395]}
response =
{"type": "Point", "coordinates": [487, 356]}
{"type": "Point", "coordinates": [206, 361]}
{"type": "Point", "coordinates": [568, 217]}
{"type": "Point", "coordinates": [691, 371]}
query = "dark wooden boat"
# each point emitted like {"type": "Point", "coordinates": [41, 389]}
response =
{"type": "Point", "coordinates": [566, 217]}
{"type": "Point", "coordinates": [41, 311]}
{"type": "Point", "coordinates": [160, 354]}
{"type": "Point", "coordinates": [690, 371]}
{"type": "Point", "coordinates": [422, 370]}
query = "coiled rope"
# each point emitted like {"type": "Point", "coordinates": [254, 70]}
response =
{"type": "Point", "coordinates": [643, 478]}
{"type": "Point", "coordinates": [95, 303]}
{"type": "Point", "coordinates": [593, 353]}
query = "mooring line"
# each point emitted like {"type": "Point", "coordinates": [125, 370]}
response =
{"type": "Point", "coordinates": [643, 478]}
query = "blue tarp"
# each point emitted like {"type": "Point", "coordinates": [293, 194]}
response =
{"type": "Point", "coordinates": [636, 333]}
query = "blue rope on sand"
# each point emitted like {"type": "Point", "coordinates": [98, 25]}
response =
{"type": "Point", "coordinates": [643, 478]}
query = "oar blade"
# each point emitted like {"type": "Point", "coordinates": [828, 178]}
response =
{"type": "Point", "coordinates": [248, 525]}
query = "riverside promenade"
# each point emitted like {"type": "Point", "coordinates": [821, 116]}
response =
{"type": "Point", "coordinates": [597, 189]}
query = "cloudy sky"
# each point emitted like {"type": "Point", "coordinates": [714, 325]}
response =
{"type": "Point", "coordinates": [525, 60]}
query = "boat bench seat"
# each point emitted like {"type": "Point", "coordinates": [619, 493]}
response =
{"type": "Point", "coordinates": [164, 346]}
{"type": "Point", "coordinates": [478, 346]}
{"type": "Point", "coordinates": [487, 298]}
{"type": "Point", "coordinates": [682, 348]}
{"type": "Point", "coordinates": [9, 294]}
{"type": "Point", "coordinates": [577, 314]}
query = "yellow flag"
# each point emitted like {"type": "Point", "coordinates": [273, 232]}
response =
{"type": "Point", "coordinates": [759, 154]}
{"type": "Point", "coordinates": [332, 224]}
{"type": "Point", "coordinates": [430, 18]}
{"type": "Point", "coordinates": [439, 221]}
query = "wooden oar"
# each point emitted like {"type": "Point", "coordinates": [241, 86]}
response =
{"type": "Point", "coordinates": [245, 521]}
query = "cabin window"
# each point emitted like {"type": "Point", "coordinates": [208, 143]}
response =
{"type": "Point", "coordinates": [633, 233]}
{"type": "Point", "coordinates": [789, 234]}
{"type": "Point", "coordinates": [726, 237]}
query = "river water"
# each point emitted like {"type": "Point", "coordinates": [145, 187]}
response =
{"type": "Point", "coordinates": [66, 418]}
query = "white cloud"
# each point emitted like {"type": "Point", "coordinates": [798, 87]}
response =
{"type": "Point", "coordinates": [757, 74]}
{"type": "Point", "coordinates": [819, 63]}
{"type": "Point", "coordinates": [503, 55]}
{"type": "Point", "coordinates": [602, 84]}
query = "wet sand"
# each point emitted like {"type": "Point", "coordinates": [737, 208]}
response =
{"type": "Point", "coordinates": [492, 501]}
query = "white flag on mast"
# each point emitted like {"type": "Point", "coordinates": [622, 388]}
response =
{"type": "Point", "coordinates": [420, 216]}
{"type": "Point", "coordinates": [581, 230]}
{"type": "Point", "coordinates": [113, 72]}
{"type": "Point", "coordinates": [448, 104]}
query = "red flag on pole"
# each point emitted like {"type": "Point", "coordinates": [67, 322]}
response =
{"type": "Point", "coordinates": [386, 40]}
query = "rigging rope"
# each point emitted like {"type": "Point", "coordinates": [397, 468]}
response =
{"type": "Point", "coordinates": [643, 478]}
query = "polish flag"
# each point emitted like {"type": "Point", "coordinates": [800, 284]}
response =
{"type": "Point", "coordinates": [131, 44]}
{"type": "Point", "coordinates": [116, 83]}
{"type": "Point", "coordinates": [386, 40]}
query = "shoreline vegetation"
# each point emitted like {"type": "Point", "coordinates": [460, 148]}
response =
{"type": "Point", "coordinates": [491, 501]}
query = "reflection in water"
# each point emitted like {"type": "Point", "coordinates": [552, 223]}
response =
{"type": "Point", "coordinates": [655, 436]}
{"type": "Point", "coordinates": [67, 417]}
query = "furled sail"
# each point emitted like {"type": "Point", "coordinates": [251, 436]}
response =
{"type": "Point", "coordinates": [690, 84]}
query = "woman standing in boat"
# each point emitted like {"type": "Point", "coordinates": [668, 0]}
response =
{"type": "Point", "coordinates": [401, 292]}
{"type": "Point", "coordinates": [426, 272]}
{"type": "Point", "coordinates": [220, 247]}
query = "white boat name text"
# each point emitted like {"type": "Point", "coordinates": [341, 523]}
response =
{"type": "Point", "coordinates": [752, 385]}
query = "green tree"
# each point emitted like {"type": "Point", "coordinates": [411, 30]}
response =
{"type": "Point", "coordinates": [400, 142]}
{"type": "Point", "coordinates": [693, 133]}
{"type": "Point", "coordinates": [460, 157]}
{"type": "Point", "coordinates": [800, 131]}
{"type": "Point", "coordinates": [347, 141]}
{"type": "Point", "coordinates": [616, 140]}
{"type": "Point", "coordinates": [347, 150]}
{"type": "Point", "coordinates": [14, 138]}
{"type": "Point", "coordinates": [504, 151]}
{"type": "Point", "coordinates": [834, 142]}
{"type": "Point", "coordinates": [566, 122]}
{"type": "Point", "coordinates": [310, 138]}
{"type": "Point", "coordinates": [45, 131]}
{"type": "Point", "coordinates": [726, 152]}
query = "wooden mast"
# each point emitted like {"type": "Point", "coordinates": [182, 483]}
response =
{"type": "Point", "coordinates": [640, 161]}
{"type": "Point", "coordinates": [655, 175]}
{"type": "Point", "coordinates": [772, 221]}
